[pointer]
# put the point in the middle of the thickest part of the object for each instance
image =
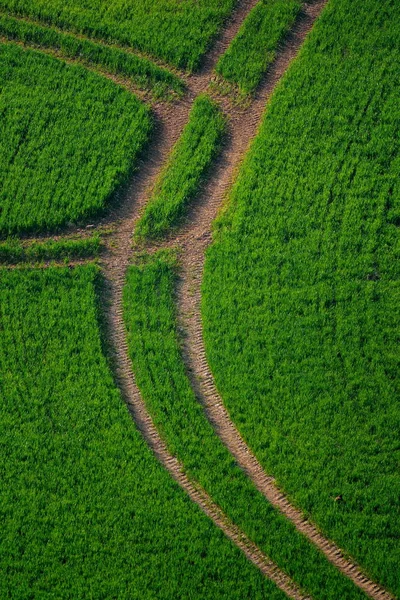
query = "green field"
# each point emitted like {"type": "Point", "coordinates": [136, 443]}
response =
{"type": "Point", "coordinates": [174, 30]}
{"type": "Point", "coordinates": [160, 372]}
{"type": "Point", "coordinates": [301, 295]}
{"type": "Point", "coordinates": [69, 138]}
{"type": "Point", "coordinates": [139, 70]}
{"type": "Point", "coordinates": [186, 168]}
{"type": "Point", "coordinates": [86, 509]}
{"type": "Point", "coordinates": [254, 48]}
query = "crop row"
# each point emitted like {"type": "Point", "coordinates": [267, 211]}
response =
{"type": "Point", "coordinates": [13, 250]}
{"type": "Point", "coordinates": [254, 48]}
{"type": "Point", "coordinates": [178, 32]}
{"type": "Point", "coordinates": [301, 291]}
{"type": "Point", "coordinates": [141, 71]}
{"type": "Point", "coordinates": [190, 159]}
{"type": "Point", "coordinates": [86, 509]}
{"type": "Point", "coordinates": [69, 139]}
{"type": "Point", "coordinates": [154, 347]}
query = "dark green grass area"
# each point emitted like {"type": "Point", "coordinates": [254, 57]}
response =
{"type": "Point", "coordinates": [150, 316]}
{"type": "Point", "coordinates": [187, 166]}
{"type": "Point", "coordinates": [13, 250]}
{"type": "Point", "coordinates": [142, 72]}
{"type": "Point", "coordinates": [254, 48]}
{"type": "Point", "coordinates": [86, 510]}
{"type": "Point", "coordinates": [301, 295]}
{"type": "Point", "coordinates": [68, 139]}
{"type": "Point", "coordinates": [177, 31]}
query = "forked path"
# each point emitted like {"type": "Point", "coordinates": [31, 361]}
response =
{"type": "Point", "coordinates": [194, 239]}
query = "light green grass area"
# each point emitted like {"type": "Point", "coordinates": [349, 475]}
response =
{"type": "Point", "coordinates": [86, 509]}
{"type": "Point", "coordinates": [68, 139]}
{"type": "Point", "coordinates": [177, 31]}
{"type": "Point", "coordinates": [150, 317]}
{"type": "Point", "coordinates": [301, 295]}
{"type": "Point", "coordinates": [13, 250]}
{"type": "Point", "coordinates": [139, 70]}
{"type": "Point", "coordinates": [254, 48]}
{"type": "Point", "coordinates": [187, 166]}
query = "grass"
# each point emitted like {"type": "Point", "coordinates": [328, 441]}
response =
{"type": "Point", "coordinates": [69, 138]}
{"type": "Point", "coordinates": [139, 70]}
{"type": "Point", "coordinates": [154, 347]}
{"type": "Point", "coordinates": [175, 31]}
{"type": "Point", "coordinates": [254, 48]}
{"type": "Point", "coordinates": [187, 167]}
{"type": "Point", "coordinates": [301, 294]}
{"type": "Point", "coordinates": [86, 509]}
{"type": "Point", "coordinates": [14, 251]}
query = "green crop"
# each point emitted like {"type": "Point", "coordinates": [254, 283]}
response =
{"type": "Point", "coordinates": [13, 250]}
{"type": "Point", "coordinates": [254, 48]}
{"type": "Point", "coordinates": [86, 509]}
{"type": "Point", "coordinates": [189, 162]}
{"type": "Point", "coordinates": [154, 347]}
{"type": "Point", "coordinates": [301, 295]}
{"type": "Point", "coordinates": [141, 71]}
{"type": "Point", "coordinates": [68, 139]}
{"type": "Point", "coordinates": [178, 32]}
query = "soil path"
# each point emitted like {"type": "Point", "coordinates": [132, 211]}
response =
{"type": "Point", "coordinates": [170, 121]}
{"type": "Point", "coordinates": [126, 382]}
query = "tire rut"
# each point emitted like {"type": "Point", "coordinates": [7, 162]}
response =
{"type": "Point", "coordinates": [169, 122]}
{"type": "Point", "coordinates": [126, 382]}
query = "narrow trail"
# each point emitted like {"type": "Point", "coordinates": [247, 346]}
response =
{"type": "Point", "coordinates": [170, 121]}
{"type": "Point", "coordinates": [47, 264]}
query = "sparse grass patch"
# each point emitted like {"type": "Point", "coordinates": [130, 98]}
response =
{"type": "Point", "coordinates": [254, 48]}
{"type": "Point", "coordinates": [187, 166]}
{"type": "Point", "coordinates": [13, 250]}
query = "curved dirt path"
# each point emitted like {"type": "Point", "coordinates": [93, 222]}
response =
{"type": "Point", "coordinates": [194, 239]}
{"type": "Point", "coordinates": [170, 121]}
{"type": "Point", "coordinates": [126, 382]}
